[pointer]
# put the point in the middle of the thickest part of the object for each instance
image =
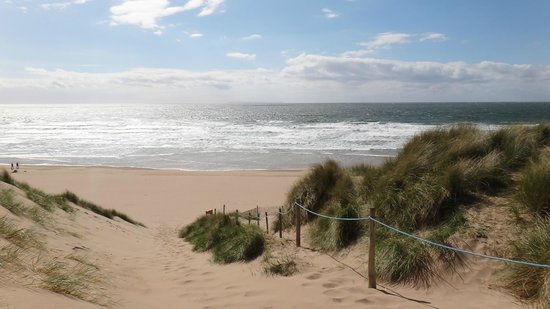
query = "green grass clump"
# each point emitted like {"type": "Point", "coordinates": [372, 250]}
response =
{"type": "Point", "coordinates": [21, 237]}
{"type": "Point", "coordinates": [44, 200]}
{"type": "Point", "coordinates": [326, 184]}
{"type": "Point", "coordinates": [400, 260]}
{"type": "Point", "coordinates": [7, 200]}
{"type": "Point", "coordinates": [78, 280]}
{"type": "Point", "coordinates": [448, 228]}
{"type": "Point", "coordinates": [283, 265]}
{"type": "Point", "coordinates": [108, 213]}
{"type": "Point", "coordinates": [329, 235]}
{"type": "Point", "coordinates": [534, 188]}
{"type": "Point", "coordinates": [440, 169]}
{"type": "Point", "coordinates": [228, 241]}
{"type": "Point", "coordinates": [531, 283]}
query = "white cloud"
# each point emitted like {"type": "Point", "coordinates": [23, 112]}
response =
{"type": "Point", "coordinates": [62, 5]}
{"type": "Point", "coordinates": [195, 35]}
{"type": "Point", "coordinates": [147, 13]}
{"type": "Point", "coordinates": [329, 13]}
{"type": "Point", "coordinates": [24, 9]}
{"type": "Point", "coordinates": [242, 56]}
{"type": "Point", "coordinates": [251, 37]}
{"type": "Point", "coordinates": [433, 36]}
{"type": "Point", "coordinates": [363, 70]}
{"type": "Point", "coordinates": [305, 78]}
{"type": "Point", "coordinates": [386, 40]}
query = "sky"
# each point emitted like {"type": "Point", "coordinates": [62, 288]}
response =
{"type": "Point", "coordinates": [217, 51]}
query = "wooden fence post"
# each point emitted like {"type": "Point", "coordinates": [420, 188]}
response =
{"type": "Point", "coordinates": [258, 213]}
{"type": "Point", "coordinates": [298, 227]}
{"type": "Point", "coordinates": [372, 246]}
{"type": "Point", "coordinates": [215, 211]}
{"type": "Point", "coordinates": [248, 218]}
{"type": "Point", "coordinates": [280, 223]}
{"type": "Point", "coordinates": [266, 223]}
{"type": "Point", "coordinates": [237, 216]}
{"type": "Point", "coordinates": [224, 209]}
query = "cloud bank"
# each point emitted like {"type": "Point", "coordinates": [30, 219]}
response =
{"type": "Point", "coordinates": [304, 78]}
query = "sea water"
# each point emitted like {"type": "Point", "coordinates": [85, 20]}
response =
{"type": "Point", "coordinates": [233, 136]}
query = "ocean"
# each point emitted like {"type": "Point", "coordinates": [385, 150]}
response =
{"type": "Point", "coordinates": [233, 136]}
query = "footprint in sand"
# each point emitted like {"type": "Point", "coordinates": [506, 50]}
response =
{"type": "Point", "coordinates": [363, 301]}
{"type": "Point", "coordinates": [330, 285]}
{"type": "Point", "coordinates": [314, 276]}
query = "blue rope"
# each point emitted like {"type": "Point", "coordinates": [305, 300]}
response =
{"type": "Point", "coordinates": [428, 241]}
{"type": "Point", "coordinates": [329, 217]}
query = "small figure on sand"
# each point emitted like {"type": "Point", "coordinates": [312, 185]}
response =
{"type": "Point", "coordinates": [12, 166]}
{"type": "Point", "coordinates": [16, 165]}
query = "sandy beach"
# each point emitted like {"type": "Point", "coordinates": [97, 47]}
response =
{"type": "Point", "coordinates": [152, 268]}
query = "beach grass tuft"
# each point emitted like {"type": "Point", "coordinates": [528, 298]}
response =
{"type": "Point", "coordinates": [531, 283]}
{"type": "Point", "coordinates": [76, 280]}
{"type": "Point", "coordinates": [228, 240]}
{"type": "Point", "coordinates": [423, 190]}
{"type": "Point", "coordinates": [534, 188]}
{"type": "Point", "coordinates": [329, 235]}
{"type": "Point", "coordinates": [7, 199]}
{"type": "Point", "coordinates": [47, 201]}
{"type": "Point", "coordinates": [328, 188]}
{"type": "Point", "coordinates": [108, 213]}
{"type": "Point", "coordinates": [21, 237]}
{"type": "Point", "coordinates": [282, 265]}
{"type": "Point", "coordinates": [398, 260]}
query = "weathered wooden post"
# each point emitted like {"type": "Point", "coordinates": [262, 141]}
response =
{"type": "Point", "coordinates": [298, 227]}
{"type": "Point", "coordinates": [249, 218]}
{"type": "Point", "coordinates": [237, 216]}
{"type": "Point", "coordinates": [258, 213]}
{"type": "Point", "coordinates": [280, 223]}
{"type": "Point", "coordinates": [266, 223]}
{"type": "Point", "coordinates": [372, 246]}
{"type": "Point", "coordinates": [224, 209]}
{"type": "Point", "coordinates": [215, 210]}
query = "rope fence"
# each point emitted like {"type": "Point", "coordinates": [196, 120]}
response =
{"type": "Point", "coordinates": [372, 221]}
{"type": "Point", "coordinates": [427, 241]}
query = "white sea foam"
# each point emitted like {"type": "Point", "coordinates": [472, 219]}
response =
{"type": "Point", "coordinates": [194, 137]}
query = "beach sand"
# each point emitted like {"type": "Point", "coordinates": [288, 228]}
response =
{"type": "Point", "coordinates": [152, 268]}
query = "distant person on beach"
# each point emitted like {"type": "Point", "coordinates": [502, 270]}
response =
{"type": "Point", "coordinates": [12, 166]}
{"type": "Point", "coordinates": [16, 165]}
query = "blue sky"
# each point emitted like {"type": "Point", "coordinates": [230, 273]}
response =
{"type": "Point", "coordinates": [192, 51]}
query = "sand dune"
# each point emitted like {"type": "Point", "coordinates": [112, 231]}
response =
{"type": "Point", "coordinates": [152, 268]}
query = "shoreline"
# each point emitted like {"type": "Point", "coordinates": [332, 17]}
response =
{"type": "Point", "coordinates": [114, 167]}
{"type": "Point", "coordinates": [374, 160]}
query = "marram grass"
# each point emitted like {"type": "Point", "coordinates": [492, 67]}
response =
{"type": "Point", "coordinates": [229, 241]}
{"type": "Point", "coordinates": [534, 188]}
{"type": "Point", "coordinates": [531, 283]}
